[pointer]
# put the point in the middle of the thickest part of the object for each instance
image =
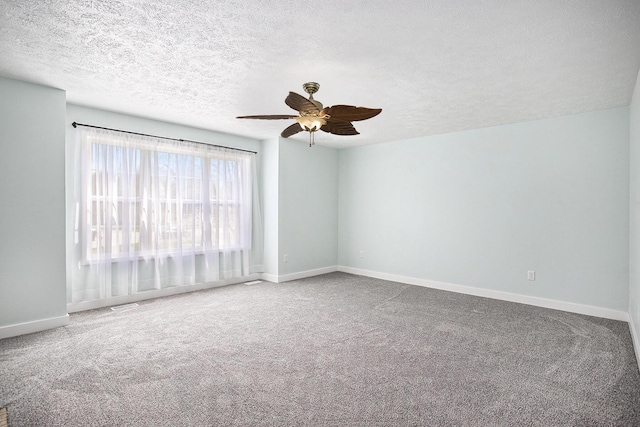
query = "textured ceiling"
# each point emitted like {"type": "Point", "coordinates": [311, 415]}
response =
{"type": "Point", "coordinates": [433, 66]}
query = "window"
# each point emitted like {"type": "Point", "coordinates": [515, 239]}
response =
{"type": "Point", "coordinates": [187, 207]}
{"type": "Point", "coordinates": [159, 201]}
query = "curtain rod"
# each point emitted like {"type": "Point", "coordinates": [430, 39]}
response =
{"type": "Point", "coordinates": [75, 124]}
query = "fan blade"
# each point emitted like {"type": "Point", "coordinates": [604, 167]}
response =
{"type": "Point", "coordinates": [339, 128]}
{"type": "Point", "coordinates": [268, 117]}
{"type": "Point", "coordinates": [300, 103]}
{"type": "Point", "coordinates": [349, 113]}
{"type": "Point", "coordinates": [291, 130]}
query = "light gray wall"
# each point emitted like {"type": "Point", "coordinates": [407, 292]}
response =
{"type": "Point", "coordinates": [481, 208]}
{"type": "Point", "coordinates": [270, 194]}
{"type": "Point", "coordinates": [634, 237]}
{"type": "Point", "coordinates": [32, 218]}
{"type": "Point", "coordinates": [308, 207]}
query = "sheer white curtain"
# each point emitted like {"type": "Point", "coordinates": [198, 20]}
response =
{"type": "Point", "coordinates": [153, 213]}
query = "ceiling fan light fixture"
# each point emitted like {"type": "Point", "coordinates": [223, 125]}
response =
{"type": "Point", "coordinates": [313, 116]}
{"type": "Point", "coordinates": [311, 122]}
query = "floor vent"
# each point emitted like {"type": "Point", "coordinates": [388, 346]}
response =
{"type": "Point", "coordinates": [255, 282]}
{"type": "Point", "coordinates": [4, 417]}
{"type": "Point", "coordinates": [124, 306]}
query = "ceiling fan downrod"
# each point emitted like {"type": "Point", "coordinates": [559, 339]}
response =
{"type": "Point", "coordinates": [311, 88]}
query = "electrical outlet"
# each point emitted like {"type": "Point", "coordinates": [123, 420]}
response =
{"type": "Point", "coordinates": [531, 275]}
{"type": "Point", "coordinates": [361, 254]}
{"type": "Point", "coordinates": [286, 257]}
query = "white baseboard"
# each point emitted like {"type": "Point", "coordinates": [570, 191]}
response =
{"type": "Point", "coordinates": [33, 326]}
{"type": "Point", "coordinates": [635, 338]}
{"type": "Point", "coordinates": [605, 313]}
{"type": "Point", "coordinates": [157, 293]}
{"type": "Point", "coordinates": [269, 277]}
{"type": "Point", "coordinates": [298, 275]}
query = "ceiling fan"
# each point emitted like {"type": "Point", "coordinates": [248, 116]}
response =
{"type": "Point", "coordinates": [313, 116]}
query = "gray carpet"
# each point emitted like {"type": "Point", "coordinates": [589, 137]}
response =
{"type": "Point", "coordinates": [334, 350]}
